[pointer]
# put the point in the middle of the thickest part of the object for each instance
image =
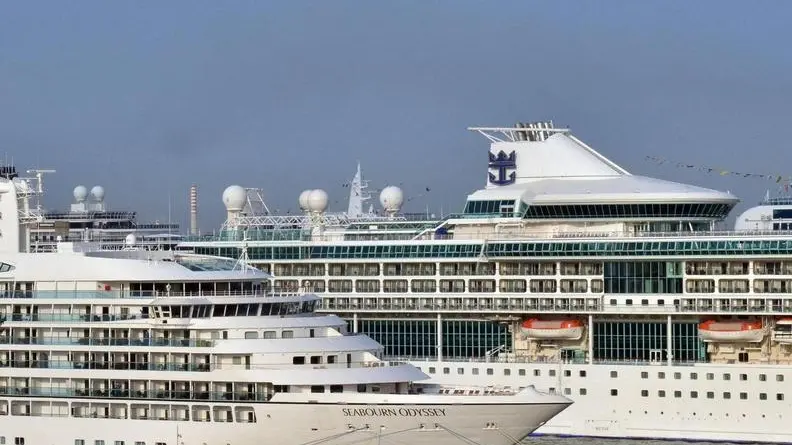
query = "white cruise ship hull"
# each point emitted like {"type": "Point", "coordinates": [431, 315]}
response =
{"type": "Point", "coordinates": [732, 403]}
{"type": "Point", "coordinates": [296, 424]}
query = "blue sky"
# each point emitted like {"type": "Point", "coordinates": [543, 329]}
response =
{"type": "Point", "coordinates": [146, 98]}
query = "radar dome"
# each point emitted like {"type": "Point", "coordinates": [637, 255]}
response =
{"type": "Point", "coordinates": [391, 198]}
{"type": "Point", "coordinates": [304, 199]}
{"type": "Point", "coordinates": [130, 239]}
{"type": "Point", "coordinates": [234, 198]}
{"type": "Point", "coordinates": [80, 193]}
{"type": "Point", "coordinates": [317, 200]}
{"type": "Point", "coordinates": [98, 192]}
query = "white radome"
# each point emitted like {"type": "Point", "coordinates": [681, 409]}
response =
{"type": "Point", "coordinates": [303, 200]}
{"type": "Point", "coordinates": [98, 192]}
{"type": "Point", "coordinates": [391, 198]}
{"type": "Point", "coordinates": [130, 239]}
{"type": "Point", "coordinates": [234, 198]}
{"type": "Point", "coordinates": [317, 200]}
{"type": "Point", "coordinates": [80, 193]}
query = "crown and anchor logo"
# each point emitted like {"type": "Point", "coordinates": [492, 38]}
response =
{"type": "Point", "coordinates": [503, 163]}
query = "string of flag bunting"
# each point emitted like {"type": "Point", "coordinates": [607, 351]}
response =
{"type": "Point", "coordinates": [778, 179]}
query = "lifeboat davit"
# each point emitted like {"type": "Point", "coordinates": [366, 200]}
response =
{"type": "Point", "coordinates": [732, 331]}
{"type": "Point", "coordinates": [553, 329]}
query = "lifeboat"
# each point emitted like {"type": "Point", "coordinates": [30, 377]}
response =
{"type": "Point", "coordinates": [782, 333]}
{"type": "Point", "coordinates": [732, 331]}
{"type": "Point", "coordinates": [553, 329]}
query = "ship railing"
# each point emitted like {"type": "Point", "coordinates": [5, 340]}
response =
{"type": "Point", "coordinates": [430, 361]}
{"type": "Point", "coordinates": [179, 366]}
{"type": "Point", "coordinates": [115, 294]}
{"type": "Point", "coordinates": [609, 235]}
{"type": "Point", "coordinates": [115, 393]}
{"type": "Point", "coordinates": [768, 304]}
{"type": "Point", "coordinates": [107, 341]}
{"type": "Point", "coordinates": [78, 318]}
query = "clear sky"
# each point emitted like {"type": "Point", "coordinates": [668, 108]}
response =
{"type": "Point", "coordinates": [146, 98]}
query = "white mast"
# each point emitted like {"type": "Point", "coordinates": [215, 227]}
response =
{"type": "Point", "coordinates": [358, 195]}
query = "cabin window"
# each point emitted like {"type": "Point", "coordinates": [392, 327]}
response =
{"type": "Point", "coordinates": [317, 388]}
{"type": "Point", "coordinates": [298, 360]}
{"type": "Point", "coordinates": [336, 388]}
{"type": "Point", "coordinates": [316, 359]}
{"type": "Point", "coordinates": [249, 335]}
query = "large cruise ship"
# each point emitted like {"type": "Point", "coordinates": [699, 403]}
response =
{"type": "Point", "coordinates": [157, 347]}
{"type": "Point", "coordinates": [622, 292]}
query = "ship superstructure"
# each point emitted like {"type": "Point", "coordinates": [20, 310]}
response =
{"type": "Point", "coordinates": [155, 347]}
{"type": "Point", "coordinates": [89, 219]}
{"type": "Point", "coordinates": [624, 292]}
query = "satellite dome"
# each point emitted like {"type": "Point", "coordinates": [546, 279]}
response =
{"type": "Point", "coordinates": [304, 199]}
{"type": "Point", "coordinates": [234, 198]}
{"type": "Point", "coordinates": [391, 199]}
{"type": "Point", "coordinates": [130, 239]}
{"type": "Point", "coordinates": [317, 200]}
{"type": "Point", "coordinates": [98, 192]}
{"type": "Point", "coordinates": [80, 193]}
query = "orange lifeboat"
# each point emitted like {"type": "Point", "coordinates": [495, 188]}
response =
{"type": "Point", "coordinates": [732, 331]}
{"type": "Point", "coordinates": [782, 333]}
{"type": "Point", "coordinates": [553, 329]}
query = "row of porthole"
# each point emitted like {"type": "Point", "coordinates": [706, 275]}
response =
{"type": "Point", "coordinates": [709, 415]}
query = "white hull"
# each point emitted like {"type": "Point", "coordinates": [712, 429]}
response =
{"type": "Point", "coordinates": [295, 424]}
{"type": "Point", "coordinates": [554, 334]}
{"type": "Point", "coordinates": [732, 336]}
{"type": "Point", "coordinates": [630, 414]}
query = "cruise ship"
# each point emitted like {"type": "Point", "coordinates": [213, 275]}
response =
{"type": "Point", "coordinates": [140, 346]}
{"type": "Point", "coordinates": [625, 293]}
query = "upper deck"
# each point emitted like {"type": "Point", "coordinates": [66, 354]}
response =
{"type": "Point", "coordinates": [543, 185]}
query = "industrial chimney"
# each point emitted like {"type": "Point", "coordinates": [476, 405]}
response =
{"type": "Point", "coordinates": [194, 210]}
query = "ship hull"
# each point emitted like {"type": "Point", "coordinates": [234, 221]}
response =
{"type": "Point", "coordinates": [299, 423]}
{"type": "Point", "coordinates": [632, 401]}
